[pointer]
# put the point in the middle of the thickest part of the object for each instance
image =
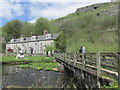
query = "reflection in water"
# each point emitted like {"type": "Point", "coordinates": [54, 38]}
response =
{"type": "Point", "coordinates": [33, 78]}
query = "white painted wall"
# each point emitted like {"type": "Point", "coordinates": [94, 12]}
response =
{"type": "Point", "coordinates": [38, 46]}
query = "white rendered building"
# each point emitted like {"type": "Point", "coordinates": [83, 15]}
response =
{"type": "Point", "coordinates": [34, 44]}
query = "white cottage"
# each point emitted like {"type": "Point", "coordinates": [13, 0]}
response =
{"type": "Point", "coordinates": [34, 44]}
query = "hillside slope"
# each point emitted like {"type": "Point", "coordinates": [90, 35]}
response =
{"type": "Point", "coordinates": [94, 27]}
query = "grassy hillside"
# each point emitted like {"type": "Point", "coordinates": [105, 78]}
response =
{"type": "Point", "coordinates": [94, 31]}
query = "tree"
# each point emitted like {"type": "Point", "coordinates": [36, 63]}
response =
{"type": "Point", "coordinates": [50, 48]}
{"type": "Point", "coordinates": [60, 42]}
{"type": "Point", "coordinates": [12, 29]}
{"type": "Point", "coordinates": [41, 25]}
{"type": "Point", "coordinates": [3, 42]}
{"type": "Point", "coordinates": [27, 29]}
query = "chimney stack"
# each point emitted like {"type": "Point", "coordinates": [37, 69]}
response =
{"type": "Point", "coordinates": [31, 34]}
{"type": "Point", "coordinates": [21, 36]}
{"type": "Point", "coordinates": [45, 32]}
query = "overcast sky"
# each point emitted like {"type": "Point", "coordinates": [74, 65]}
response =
{"type": "Point", "coordinates": [30, 10]}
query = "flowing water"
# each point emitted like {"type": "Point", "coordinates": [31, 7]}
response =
{"type": "Point", "coordinates": [28, 77]}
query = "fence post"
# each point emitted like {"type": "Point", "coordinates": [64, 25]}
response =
{"type": "Point", "coordinates": [83, 61]}
{"type": "Point", "coordinates": [60, 56]}
{"type": "Point", "coordinates": [64, 56]}
{"type": "Point", "coordinates": [118, 71]}
{"type": "Point", "coordinates": [74, 59]}
{"type": "Point", "coordinates": [69, 58]}
{"type": "Point", "coordinates": [98, 67]}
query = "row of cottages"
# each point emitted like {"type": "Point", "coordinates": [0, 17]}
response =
{"type": "Point", "coordinates": [33, 44]}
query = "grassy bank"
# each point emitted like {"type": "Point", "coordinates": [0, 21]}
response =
{"type": "Point", "coordinates": [36, 62]}
{"type": "Point", "coordinates": [29, 58]}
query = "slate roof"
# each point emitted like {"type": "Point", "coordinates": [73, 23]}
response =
{"type": "Point", "coordinates": [38, 38]}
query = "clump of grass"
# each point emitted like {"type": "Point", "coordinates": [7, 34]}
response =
{"type": "Point", "coordinates": [112, 85]}
{"type": "Point", "coordinates": [39, 66]}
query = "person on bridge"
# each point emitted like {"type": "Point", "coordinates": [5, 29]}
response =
{"type": "Point", "coordinates": [82, 49]}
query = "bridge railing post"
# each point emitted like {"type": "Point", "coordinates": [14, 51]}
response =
{"type": "Point", "coordinates": [98, 67]}
{"type": "Point", "coordinates": [64, 55]}
{"type": "Point", "coordinates": [75, 59]}
{"type": "Point", "coordinates": [60, 56]}
{"type": "Point", "coordinates": [69, 58]}
{"type": "Point", "coordinates": [83, 61]}
{"type": "Point", "coordinates": [119, 71]}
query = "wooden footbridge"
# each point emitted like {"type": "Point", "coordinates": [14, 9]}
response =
{"type": "Point", "coordinates": [89, 66]}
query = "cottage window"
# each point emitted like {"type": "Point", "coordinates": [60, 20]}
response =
{"type": "Point", "coordinates": [48, 36]}
{"type": "Point", "coordinates": [22, 39]}
{"type": "Point", "coordinates": [41, 50]}
{"type": "Point", "coordinates": [51, 43]}
{"type": "Point", "coordinates": [12, 40]}
{"type": "Point", "coordinates": [33, 38]}
{"type": "Point", "coordinates": [44, 51]}
{"type": "Point", "coordinates": [45, 45]}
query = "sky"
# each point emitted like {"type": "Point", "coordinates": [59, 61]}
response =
{"type": "Point", "coordinates": [31, 10]}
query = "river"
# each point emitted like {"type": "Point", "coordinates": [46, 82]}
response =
{"type": "Point", "coordinates": [13, 76]}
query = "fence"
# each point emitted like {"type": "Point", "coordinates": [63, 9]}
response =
{"type": "Point", "coordinates": [102, 64]}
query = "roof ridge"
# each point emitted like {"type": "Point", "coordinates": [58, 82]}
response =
{"type": "Point", "coordinates": [39, 38]}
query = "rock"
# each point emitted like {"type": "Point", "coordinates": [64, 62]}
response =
{"type": "Point", "coordinates": [54, 60]}
{"type": "Point", "coordinates": [55, 69]}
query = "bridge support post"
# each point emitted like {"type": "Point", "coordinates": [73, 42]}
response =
{"type": "Point", "coordinates": [98, 67]}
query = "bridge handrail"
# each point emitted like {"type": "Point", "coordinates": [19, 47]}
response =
{"type": "Point", "coordinates": [96, 62]}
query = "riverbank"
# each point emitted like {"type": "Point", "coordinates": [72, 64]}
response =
{"type": "Point", "coordinates": [36, 62]}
